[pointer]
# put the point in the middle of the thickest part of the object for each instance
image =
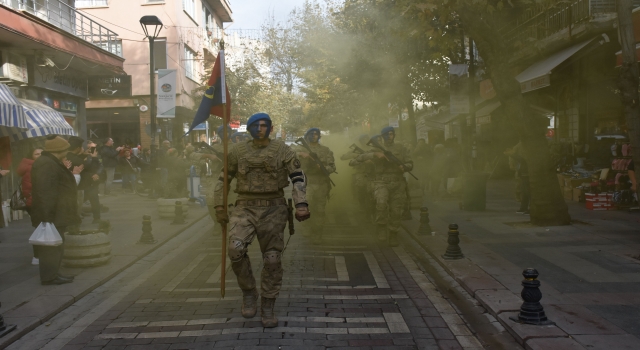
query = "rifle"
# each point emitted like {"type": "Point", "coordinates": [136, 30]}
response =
{"type": "Point", "coordinates": [292, 230]}
{"type": "Point", "coordinates": [356, 149]}
{"type": "Point", "coordinates": [301, 141]}
{"type": "Point", "coordinates": [207, 146]}
{"type": "Point", "coordinates": [374, 142]}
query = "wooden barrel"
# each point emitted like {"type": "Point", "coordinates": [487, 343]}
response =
{"type": "Point", "coordinates": [87, 249]}
{"type": "Point", "coordinates": [167, 207]}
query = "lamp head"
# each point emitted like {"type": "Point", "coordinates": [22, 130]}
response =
{"type": "Point", "coordinates": [151, 26]}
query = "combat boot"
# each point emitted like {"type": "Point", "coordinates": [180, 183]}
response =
{"type": "Point", "coordinates": [269, 319]}
{"type": "Point", "coordinates": [249, 303]}
{"type": "Point", "coordinates": [381, 232]}
{"type": "Point", "coordinates": [393, 239]}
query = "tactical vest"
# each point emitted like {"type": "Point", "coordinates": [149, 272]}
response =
{"type": "Point", "coordinates": [261, 172]}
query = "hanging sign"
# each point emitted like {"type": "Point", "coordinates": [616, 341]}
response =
{"type": "Point", "coordinates": [68, 81]}
{"type": "Point", "coordinates": [166, 93]}
{"type": "Point", "coordinates": [109, 86]}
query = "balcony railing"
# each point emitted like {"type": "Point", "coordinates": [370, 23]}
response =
{"type": "Point", "coordinates": [541, 21]}
{"type": "Point", "coordinates": [68, 19]}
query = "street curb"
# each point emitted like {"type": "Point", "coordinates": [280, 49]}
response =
{"type": "Point", "coordinates": [36, 321]}
{"type": "Point", "coordinates": [523, 334]}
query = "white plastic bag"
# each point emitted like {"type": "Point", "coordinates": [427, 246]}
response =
{"type": "Point", "coordinates": [45, 234]}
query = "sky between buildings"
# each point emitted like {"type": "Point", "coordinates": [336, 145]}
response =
{"type": "Point", "coordinates": [251, 14]}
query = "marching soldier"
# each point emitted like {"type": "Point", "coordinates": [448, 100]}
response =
{"type": "Point", "coordinates": [362, 176]}
{"type": "Point", "coordinates": [319, 184]}
{"type": "Point", "coordinates": [262, 168]}
{"type": "Point", "coordinates": [388, 185]}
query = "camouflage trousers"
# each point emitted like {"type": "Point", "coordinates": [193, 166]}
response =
{"type": "Point", "coordinates": [317, 195]}
{"type": "Point", "coordinates": [267, 223]}
{"type": "Point", "coordinates": [362, 191]}
{"type": "Point", "coordinates": [208, 188]}
{"type": "Point", "coordinates": [390, 197]}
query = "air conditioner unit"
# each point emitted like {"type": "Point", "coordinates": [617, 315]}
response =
{"type": "Point", "coordinates": [14, 69]}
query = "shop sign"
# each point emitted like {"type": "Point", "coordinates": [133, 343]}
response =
{"type": "Point", "coordinates": [536, 83]}
{"type": "Point", "coordinates": [166, 93]}
{"type": "Point", "coordinates": [394, 122]}
{"type": "Point", "coordinates": [68, 81]}
{"type": "Point", "coordinates": [109, 86]}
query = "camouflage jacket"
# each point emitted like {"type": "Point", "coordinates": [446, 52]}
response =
{"type": "Point", "coordinates": [263, 172]}
{"type": "Point", "coordinates": [382, 166]}
{"type": "Point", "coordinates": [310, 166]}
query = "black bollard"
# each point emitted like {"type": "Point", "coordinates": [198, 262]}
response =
{"type": "Point", "coordinates": [146, 237]}
{"type": "Point", "coordinates": [531, 311]}
{"type": "Point", "coordinates": [179, 215]}
{"type": "Point", "coordinates": [425, 226]}
{"type": "Point", "coordinates": [453, 250]}
{"type": "Point", "coordinates": [5, 328]}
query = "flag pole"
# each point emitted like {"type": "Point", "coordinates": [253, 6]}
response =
{"type": "Point", "coordinates": [225, 176]}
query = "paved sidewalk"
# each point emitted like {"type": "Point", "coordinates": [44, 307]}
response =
{"type": "Point", "coordinates": [27, 303]}
{"type": "Point", "coordinates": [589, 271]}
{"type": "Point", "coordinates": [346, 293]}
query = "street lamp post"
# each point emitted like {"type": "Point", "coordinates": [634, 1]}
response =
{"type": "Point", "coordinates": [152, 26]}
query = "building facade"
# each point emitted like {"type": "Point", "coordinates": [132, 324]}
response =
{"type": "Point", "coordinates": [191, 31]}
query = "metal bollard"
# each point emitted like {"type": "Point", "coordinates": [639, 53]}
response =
{"type": "Point", "coordinates": [425, 226]}
{"type": "Point", "coordinates": [5, 328]}
{"type": "Point", "coordinates": [146, 237]}
{"type": "Point", "coordinates": [453, 249]}
{"type": "Point", "coordinates": [179, 215]}
{"type": "Point", "coordinates": [531, 311]}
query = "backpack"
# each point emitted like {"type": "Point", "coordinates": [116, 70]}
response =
{"type": "Point", "coordinates": [18, 202]}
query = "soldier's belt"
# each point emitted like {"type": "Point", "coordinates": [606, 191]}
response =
{"type": "Point", "coordinates": [261, 202]}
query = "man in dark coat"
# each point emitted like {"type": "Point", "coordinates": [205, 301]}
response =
{"type": "Point", "coordinates": [54, 201]}
{"type": "Point", "coordinates": [90, 176]}
{"type": "Point", "coordinates": [109, 162]}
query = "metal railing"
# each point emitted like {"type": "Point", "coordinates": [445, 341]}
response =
{"type": "Point", "coordinates": [66, 17]}
{"type": "Point", "coordinates": [543, 21]}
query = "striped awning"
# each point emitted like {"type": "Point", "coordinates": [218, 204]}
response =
{"type": "Point", "coordinates": [42, 120]}
{"type": "Point", "coordinates": [12, 117]}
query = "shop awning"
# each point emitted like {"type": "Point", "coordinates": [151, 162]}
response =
{"type": "Point", "coordinates": [12, 117]}
{"type": "Point", "coordinates": [538, 75]}
{"type": "Point", "coordinates": [42, 120]}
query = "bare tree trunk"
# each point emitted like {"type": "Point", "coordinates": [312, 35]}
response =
{"type": "Point", "coordinates": [629, 79]}
{"type": "Point", "coordinates": [547, 203]}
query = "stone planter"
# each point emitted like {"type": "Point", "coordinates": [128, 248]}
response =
{"type": "Point", "coordinates": [87, 249]}
{"type": "Point", "coordinates": [167, 207]}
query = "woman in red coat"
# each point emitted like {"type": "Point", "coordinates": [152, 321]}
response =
{"type": "Point", "coordinates": [24, 170]}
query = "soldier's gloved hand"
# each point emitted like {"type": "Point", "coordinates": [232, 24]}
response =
{"type": "Point", "coordinates": [302, 212]}
{"type": "Point", "coordinates": [221, 216]}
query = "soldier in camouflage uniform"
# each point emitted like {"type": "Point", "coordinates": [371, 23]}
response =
{"type": "Point", "coordinates": [318, 187]}
{"type": "Point", "coordinates": [362, 178]}
{"type": "Point", "coordinates": [388, 186]}
{"type": "Point", "coordinates": [262, 168]}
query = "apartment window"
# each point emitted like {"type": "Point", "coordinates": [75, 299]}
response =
{"type": "Point", "coordinates": [190, 63]}
{"type": "Point", "coordinates": [113, 46]}
{"type": "Point", "coordinates": [92, 3]}
{"type": "Point", "coordinates": [160, 53]}
{"type": "Point", "coordinates": [189, 7]}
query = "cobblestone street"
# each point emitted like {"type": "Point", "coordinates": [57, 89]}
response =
{"type": "Point", "coordinates": [347, 292]}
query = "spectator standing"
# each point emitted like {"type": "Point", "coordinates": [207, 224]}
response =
{"type": "Point", "coordinates": [109, 162]}
{"type": "Point", "coordinates": [24, 170]}
{"type": "Point", "coordinates": [90, 175]}
{"type": "Point", "coordinates": [54, 201]}
{"type": "Point", "coordinates": [129, 166]}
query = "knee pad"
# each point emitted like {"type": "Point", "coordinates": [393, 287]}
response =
{"type": "Point", "coordinates": [272, 261]}
{"type": "Point", "coordinates": [237, 250]}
